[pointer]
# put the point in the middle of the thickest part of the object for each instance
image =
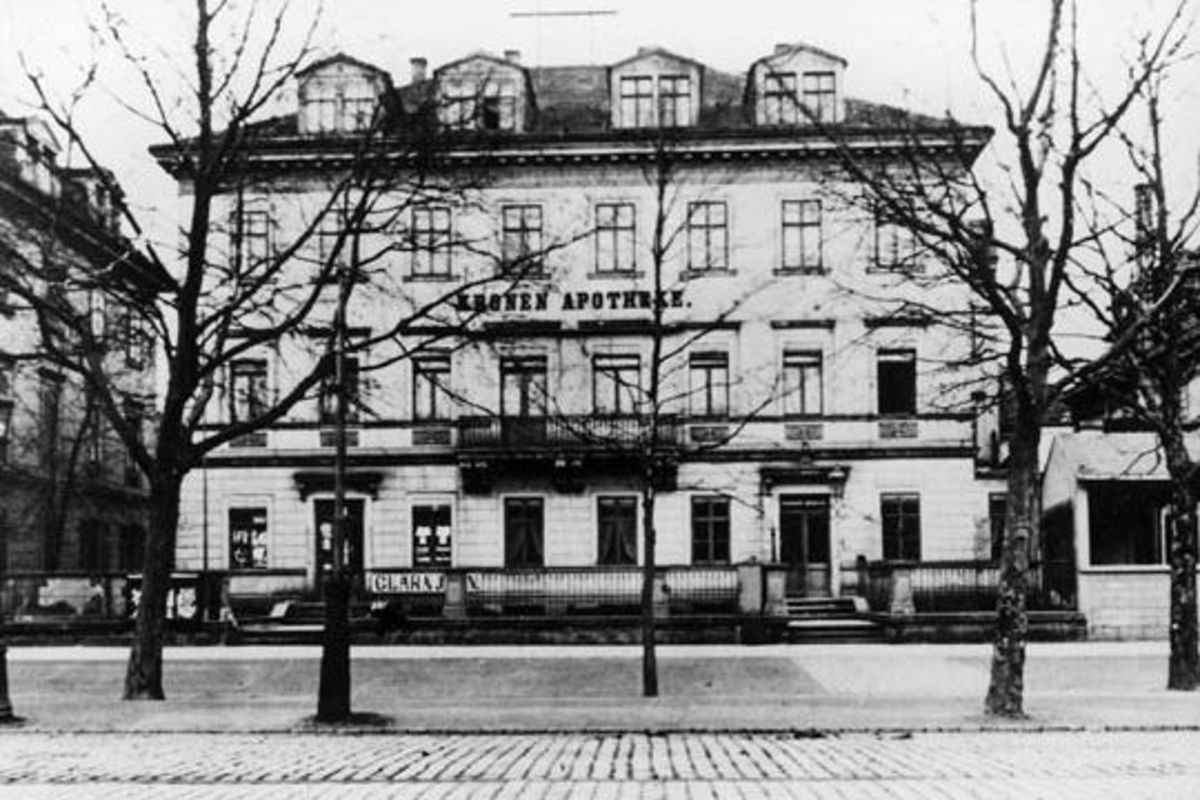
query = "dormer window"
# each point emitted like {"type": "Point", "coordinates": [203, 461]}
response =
{"type": "Point", "coordinates": [641, 95]}
{"type": "Point", "coordinates": [674, 101]}
{"type": "Point", "coordinates": [637, 101]}
{"type": "Point", "coordinates": [779, 98]}
{"type": "Point", "coordinates": [492, 107]}
{"type": "Point", "coordinates": [820, 96]}
{"type": "Point", "coordinates": [343, 109]}
{"type": "Point", "coordinates": [340, 95]}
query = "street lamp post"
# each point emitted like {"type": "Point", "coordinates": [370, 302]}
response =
{"type": "Point", "coordinates": [6, 709]}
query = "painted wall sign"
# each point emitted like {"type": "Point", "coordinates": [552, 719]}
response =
{"type": "Point", "coordinates": [612, 300]}
{"type": "Point", "coordinates": [412, 582]}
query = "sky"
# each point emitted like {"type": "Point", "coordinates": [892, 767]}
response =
{"type": "Point", "coordinates": [911, 53]}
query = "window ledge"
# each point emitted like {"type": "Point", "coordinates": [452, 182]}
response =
{"type": "Point", "coordinates": [691, 274]}
{"type": "Point", "coordinates": [447, 278]}
{"type": "Point", "coordinates": [1126, 569]}
{"type": "Point", "coordinates": [789, 271]}
{"type": "Point", "coordinates": [616, 275]}
{"type": "Point", "coordinates": [901, 271]}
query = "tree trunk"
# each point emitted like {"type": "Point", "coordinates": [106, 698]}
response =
{"type": "Point", "coordinates": [144, 676]}
{"type": "Point", "coordinates": [333, 696]}
{"type": "Point", "coordinates": [649, 656]}
{"type": "Point", "coordinates": [1006, 691]}
{"type": "Point", "coordinates": [1184, 671]}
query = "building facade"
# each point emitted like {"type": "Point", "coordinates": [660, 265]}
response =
{"type": "Point", "coordinates": [74, 502]}
{"type": "Point", "coordinates": [647, 243]}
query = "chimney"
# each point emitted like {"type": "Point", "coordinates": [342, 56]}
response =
{"type": "Point", "coordinates": [418, 68]}
{"type": "Point", "coordinates": [513, 55]}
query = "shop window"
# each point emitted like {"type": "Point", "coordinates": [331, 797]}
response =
{"type": "Point", "coordinates": [710, 530]}
{"type": "Point", "coordinates": [431, 535]}
{"type": "Point", "coordinates": [523, 532]}
{"type": "Point", "coordinates": [707, 233]}
{"type": "Point", "coordinates": [896, 384]}
{"type": "Point", "coordinates": [802, 383]}
{"type": "Point", "coordinates": [247, 538]}
{"type": "Point", "coordinates": [616, 381]}
{"type": "Point", "coordinates": [615, 238]}
{"type": "Point", "coordinates": [616, 522]}
{"type": "Point", "coordinates": [708, 376]}
{"type": "Point", "coordinates": [1127, 522]}
{"type": "Point", "coordinates": [801, 235]}
{"type": "Point", "coordinates": [901, 521]}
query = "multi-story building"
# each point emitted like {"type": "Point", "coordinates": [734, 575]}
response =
{"type": "Point", "coordinates": [73, 499]}
{"type": "Point", "coordinates": [809, 416]}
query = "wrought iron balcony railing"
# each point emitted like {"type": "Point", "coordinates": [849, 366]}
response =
{"type": "Point", "coordinates": [574, 432]}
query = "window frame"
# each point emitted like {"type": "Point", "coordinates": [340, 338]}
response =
{"type": "Point", "coordinates": [818, 93]}
{"type": "Point", "coordinates": [893, 408]}
{"type": "Point", "coordinates": [704, 370]}
{"type": "Point", "coordinates": [614, 552]}
{"type": "Point", "coordinates": [431, 241]}
{"type": "Point", "coordinates": [255, 403]}
{"type": "Point", "coordinates": [611, 370]}
{"type": "Point", "coordinates": [516, 236]}
{"type": "Point", "coordinates": [702, 229]}
{"type": "Point", "coordinates": [423, 386]}
{"type": "Point", "coordinates": [711, 524]}
{"type": "Point", "coordinates": [252, 234]}
{"type": "Point", "coordinates": [620, 238]}
{"type": "Point", "coordinates": [535, 550]}
{"type": "Point", "coordinates": [672, 98]}
{"type": "Point", "coordinates": [780, 100]}
{"type": "Point", "coordinates": [803, 362]}
{"type": "Point", "coordinates": [434, 554]}
{"type": "Point", "coordinates": [327, 392]}
{"type": "Point", "coordinates": [800, 225]}
{"type": "Point", "coordinates": [637, 107]}
{"type": "Point", "coordinates": [900, 525]}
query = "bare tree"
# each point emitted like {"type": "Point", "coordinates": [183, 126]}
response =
{"type": "Point", "coordinates": [1015, 244]}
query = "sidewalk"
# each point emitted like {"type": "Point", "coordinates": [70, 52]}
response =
{"type": "Point", "coordinates": [731, 688]}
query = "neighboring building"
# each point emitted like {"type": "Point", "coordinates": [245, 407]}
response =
{"type": "Point", "coordinates": [810, 423]}
{"type": "Point", "coordinates": [73, 501]}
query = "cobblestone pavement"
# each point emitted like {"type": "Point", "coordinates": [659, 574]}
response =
{"type": "Point", "coordinates": [959, 765]}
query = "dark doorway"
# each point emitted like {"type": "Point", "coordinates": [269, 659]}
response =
{"type": "Point", "coordinates": [804, 543]}
{"type": "Point", "coordinates": [352, 535]}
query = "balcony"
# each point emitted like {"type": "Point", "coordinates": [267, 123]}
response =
{"type": "Point", "coordinates": [581, 433]}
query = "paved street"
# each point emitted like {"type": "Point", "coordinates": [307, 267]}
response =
{"type": "Point", "coordinates": [960, 765]}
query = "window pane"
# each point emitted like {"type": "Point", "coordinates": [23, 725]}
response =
{"type": "Point", "coordinates": [431, 536]}
{"type": "Point", "coordinates": [802, 382]}
{"type": "Point", "coordinates": [901, 523]}
{"type": "Point", "coordinates": [431, 387]}
{"type": "Point", "coordinates": [523, 524]}
{"type": "Point", "coordinates": [710, 530]}
{"type": "Point", "coordinates": [617, 530]}
{"type": "Point", "coordinates": [897, 381]}
{"type": "Point", "coordinates": [248, 538]}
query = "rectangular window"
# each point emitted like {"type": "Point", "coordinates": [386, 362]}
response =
{"type": "Point", "coordinates": [708, 383]}
{"type": "Point", "coordinates": [780, 105]}
{"type": "Point", "coordinates": [997, 513]}
{"type": "Point", "coordinates": [135, 414]}
{"type": "Point", "coordinates": [521, 240]}
{"type": "Point", "coordinates": [710, 530]}
{"type": "Point", "coordinates": [707, 236]}
{"type": "Point", "coordinates": [137, 342]}
{"type": "Point", "coordinates": [93, 545]}
{"type": "Point", "coordinates": [459, 99]}
{"type": "Point", "coordinates": [50, 401]}
{"type": "Point", "coordinates": [247, 538]}
{"type": "Point", "coordinates": [617, 383]}
{"type": "Point", "coordinates": [328, 398]}
{"type": "Point", "coordinates": [431, 536]}
{"type": "Point", "coordinates": [523, 386]}
{"type": "Point", "coordinates": [431, 241]}
{"type": "Point", "coordinates": [674, 101]}
{"type": "Point", "coordinates": [97, 314]}
{"type": "Point", "coordinates": [1128, 522]}
{"type": "Point", "coordinates": [431, 386]}
{"type": "Point", "coordinates": [132, 553]}
{"type": "Point", "coordinates": [615, 237]}
{"type": "Point", "coordinates": [616, 524]}
{"type": "Point", "coordinates": [523, 531]}
{"type": "Point", "coordinates": [901, 520]}
{"type": "Point", "coordinates": [498, 110]}
{"type": "Point", "coordinates": [819, 97]}
{"type": "Point", "coordinates": [802, 383]}
{"type": "Point", "coordinates": [247, 389]}
{"type": "Point", "coordinates": [358, 110]}
{"type": "Point", "coordinates": [97, 433]}
{"type": "Point", "coordinates": [802, 234]}
{"type": "Point", "coordinates": [252, 238]}
{"type": "Point", "coordinates": [896, 382]}
{"type": "Point", "coordinates": [637, 101]}
{"type": "Point", "coordinates": [895, 245]}
{"type": "Point", "coordinates": [332, 245]}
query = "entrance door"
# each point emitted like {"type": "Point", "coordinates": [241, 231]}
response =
{"type": "Point", "coordinates": [352, 536]}
{"type": "Point", "coordinates": [804, 543]}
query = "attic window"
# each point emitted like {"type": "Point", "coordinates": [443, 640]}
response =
{"type": "Point", "coordinates": [341, 108]}
{"type": "Point", "coordinates": [647, 101]}
{"type": "Point", "coordinates": [819, 96]}
{"type": "Point", "coordinates": [779, 99]}
{"type": "Point", "coordinates": [491, 107]}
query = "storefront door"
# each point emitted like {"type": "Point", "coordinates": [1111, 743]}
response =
{"type": "Point", "coordinates": [352, 535]}
{"type": "Point", "coordinates": [804, 543]}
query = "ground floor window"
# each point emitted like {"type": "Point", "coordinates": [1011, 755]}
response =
{"type": "Point", "coordinates": [616, 523]}
{"type": "Point", "coordinates": [997, 513]}
{"type": "Point", "coordinates": [710, 530]}
{"type": "Point", "coordinates": [248, 538]}
{"type": "Point", "coordinates": [901, 519]}
{"type": "Point", "coordinates": [523, 532]}
{"type": "Point", "coordinates": [93, 538]}
{"type": "Point", "coordinates": [1127, 522]}
{"type": "Point", "coordinates": [431, 535]}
